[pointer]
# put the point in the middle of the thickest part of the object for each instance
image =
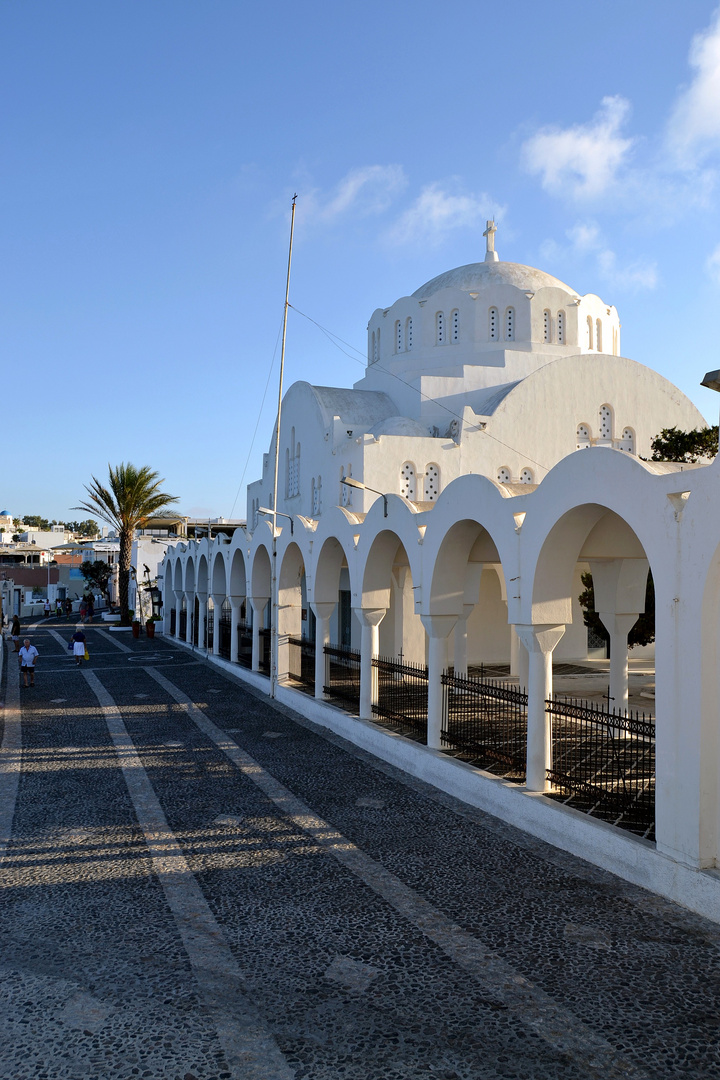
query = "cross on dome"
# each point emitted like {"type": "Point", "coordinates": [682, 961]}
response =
{"type": "Point", "coordinates": [491, 254]}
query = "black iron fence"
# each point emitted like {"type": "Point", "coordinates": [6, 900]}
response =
{"type": "Point", "coordinates": [265, 649]}
{"type": "Point", "coordinates": [603, 763]}
{"type": "Point", "coordinates": [225, 630]}
{"type": "Point", "coordinates": [485, 722]}
{"type": "Point", "coordinates": [244, 644]}
{"type": "Point", "coordinates": [402, 695]}
{"type": "Point", "coordinates": [196, 621]}
{"type": "Point", "coordinates": [209, 626]}
{"type": "Point", "coordinates": [342, 675]}
{"type": "Point", "coordinates": [301, 668]}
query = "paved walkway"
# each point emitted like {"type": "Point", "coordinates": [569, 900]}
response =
{"type": "Point", "coordinates": [196, 885]}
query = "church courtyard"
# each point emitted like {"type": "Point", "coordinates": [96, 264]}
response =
{"type": "Point", "coordinates": [198, 883]}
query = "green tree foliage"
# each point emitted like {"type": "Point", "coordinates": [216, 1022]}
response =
{"type": "Point", "coordinates": [642, 633]}
{"type": "Point", "coordinates": [672, 444]}
{"type": "Point", "coordinates": [89, 527]}
{"type": "Point", "coordinates": [97, 574]}
{"type": "Point", "coordinates": [131, 497]}
{"type": "Point", "coordinates": [34, 521]}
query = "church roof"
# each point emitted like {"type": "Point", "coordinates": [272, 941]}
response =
{"type": "Point", "coordinates": [366, 407]}
{"type": "Point", "coordinates": [476, 276]}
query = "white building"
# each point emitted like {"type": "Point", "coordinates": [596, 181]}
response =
{"type": "Point", "coordinates": [507, 442]}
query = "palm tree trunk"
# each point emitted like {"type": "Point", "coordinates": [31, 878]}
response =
{"type": "Point", "coordinates": [126, 538]}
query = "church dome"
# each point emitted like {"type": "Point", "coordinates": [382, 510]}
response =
{"type": "Point", "coordinates": [476, 276]}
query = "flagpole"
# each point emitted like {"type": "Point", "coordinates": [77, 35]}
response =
{"type": "Point", "coordinates": [274, 587]}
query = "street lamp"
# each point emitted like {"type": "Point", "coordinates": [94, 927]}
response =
{"type": "Point", "coordinates": [712, 380]}
{"type": "Point", "coordinates": [349, 482]}
{"type": "Point", "coordinates": [276, 513]}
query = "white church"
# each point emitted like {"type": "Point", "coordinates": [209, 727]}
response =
{"type": "Point", "coordinates": [435, 520]}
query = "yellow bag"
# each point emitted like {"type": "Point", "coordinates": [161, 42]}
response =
{"type": "Point", "coordinates": [87, 654]}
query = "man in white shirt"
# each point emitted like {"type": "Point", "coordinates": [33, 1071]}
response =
{"type": "Point", "coordinates": [27, 657]}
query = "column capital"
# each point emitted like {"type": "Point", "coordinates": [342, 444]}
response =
{"type": "Point", "coordinates": [438, 626]}
{"type": "Point", "coordinates": [322, 609]}
{"type": "Point", "coordinates": [539, 637]}
{"type": "Point", "coordinates": [370, 616]}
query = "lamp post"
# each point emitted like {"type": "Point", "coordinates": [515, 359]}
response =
{"type": "Point", "coordinates": [349, 482]}
{"type": "Point", "coordinates": [276, 513]}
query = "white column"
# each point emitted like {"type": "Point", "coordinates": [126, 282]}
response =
{"type": "Point", "coordinates": [217, 603]}
{"type": "Point", "coordinates": [514, 652]}
{"type": "Point", "coordinates": [459, 657]}
{"type": "Point", "coordinates": [259, 604]}
{"type": "Point", "coordinates": [323, 613]}
{"type": "Point", "coordinates": [437, 628]}
{"type": "Point", "coordinates": [370, 619]}
{"type": "Point", "coordinates": [540, 641]}
{"type": "Point", "coordinates": [235, 604]}
{"type": "Point", "coordinates": [618, 627]}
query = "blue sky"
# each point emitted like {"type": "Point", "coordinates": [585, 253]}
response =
{"type": "Point", "coordinates": [149, 152]}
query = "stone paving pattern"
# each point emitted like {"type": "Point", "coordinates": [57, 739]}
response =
{"type": "Point", "coordinates": [406, 936]}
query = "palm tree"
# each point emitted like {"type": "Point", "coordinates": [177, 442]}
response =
{"type": "Point", "coordinates": [132, 497]}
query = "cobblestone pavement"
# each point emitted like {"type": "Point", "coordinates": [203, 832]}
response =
{"type": "Point", "coordinates": [198, 885]}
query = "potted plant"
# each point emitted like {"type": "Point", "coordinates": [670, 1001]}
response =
{"type": "Point", "coordinates": [150, 625]}
{"type": "Point", "coordinates": [135, 623]}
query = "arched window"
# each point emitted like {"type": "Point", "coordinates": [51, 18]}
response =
{"type": "Point", "coordinates": [561, 327]}
{"type": "Point", "coordinates": [582, 436]}
{"type": "Point", "coordinates": [440, 328]}
{"type": "Point", "coordinates": [318, 495]}
{"type": "Point", "coordinates": [455, 325]}
{"type": "Point", "coordinates": [292, 459]}
{"type": "Point", "coordinates": [432, 482]}
{"type": "Point", "coordinates": [378, 357]}
{"type": "Point", "coordinates": [598, 335]}
{"type": "Point", "coordinates": [398, 337]}
{"type": "Point", "coordinates": [408, 334]}
{"type": "Point", "coordinates": [510, 324]}
{"type": "Point", "coordinates": [526, 477]}
{"type": "Point", "coordinates": [606, 424]}
{"type": "Point", "coordinates": [493, 324]}
{"type": "Point", "coordinates": [374, 354]}
{"type": "Point", "coordinates": [590, 331]}
{"type": "Point", "coordinates": [627, 443]}
{"type": "Point", "coordinates": [504, 475]}
{"type": "Point", "coordinates": [313, 495]}
{"type": "Point", "coordinates": [547, 326]}
{"type": "Point", "coordinates": [407, 481]}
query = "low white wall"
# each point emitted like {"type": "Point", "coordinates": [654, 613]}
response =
{"type": "Point", "coordinates": [629, 857]}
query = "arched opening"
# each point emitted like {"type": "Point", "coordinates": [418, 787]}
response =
{"type": "Point", "coordinates": [527, 476]}
{"type": "Point", "coordinates": [292, 613]}
{"type": "Point", "coordinates": [440, 328]}
{"type": "Point", "coordinates": [493, 324]}
{"type": "Point", "coordinates": [504, 475]}
{"type": "Point", "coordinates": [598, 335]}
{"type": "Point", "coordinates": [589, 332]}
{"type": "Point", "coordinates": [455, 326]}
{"type": "Point", "coordinates": [409, 334]}
{"type": "Point", "coordinates": [598, 760]}
{"type": "Point", "coordinates": [510, 324]}
{"type": "Point", "coordinates": [582, 437]}
{"type": "Point", "coordinates": [547, 326]}
{"type": "Point", "coordinates": [606, 419]}
{"type": "Point", "coordinates": [561, 327]}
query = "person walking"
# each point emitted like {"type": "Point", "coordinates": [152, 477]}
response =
{"type": "Point", "coordinates": [90, 608]}
{"type": "Point", "coordinates": [83, 610]}
{"type": "Point", "coordinates": [78, 640]}
{"type": "Point", "coordinates": [15, 633]}
{"type": "Point", "coordinates": [68, 607]}
{"type": "Point", "coordinates": [46, 607]}
{"type": "Point", "coordinates": [28, 656]}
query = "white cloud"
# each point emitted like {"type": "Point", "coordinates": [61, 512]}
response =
{"type": "Point", "coordinates": [712, 265]}
{"type": "Point", "coordinates": [637, 275]}
{"type": "Point", "coordinates": [586, 241]}
{"type": "Point", "coordinates": [364, 191]}
{"type": "Point", "coordinates": [436, 212]}
{"type": "Point", "coordinates": [583, 160]}
{"type": "Point", "coordinates": [694, 126]}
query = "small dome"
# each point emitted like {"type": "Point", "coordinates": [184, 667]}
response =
{"type": "Point", "coordinates": [476, 276]}
{"type": "Point", "coordinates": [399, 425]}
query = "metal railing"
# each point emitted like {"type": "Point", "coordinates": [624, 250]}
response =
{"type": "Point", "coordinates": [209, 625]}
{"type": "Point", "coordinates": [603, 763]}
{"type": "Point", "coordinates": [302, 662]}
{"type": "Point", "coordinates": [265, 648]}
{"type": "Point", "coordinates": [225, 630]}
{"type": "Point", "coordinates": [342, 675]}
{"type": "Point", "coordinates": [485, 722]}
{"type": "Point", "coordinates": [244, 645]}
{"type": "Point", "coordinates": [402, 695]}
